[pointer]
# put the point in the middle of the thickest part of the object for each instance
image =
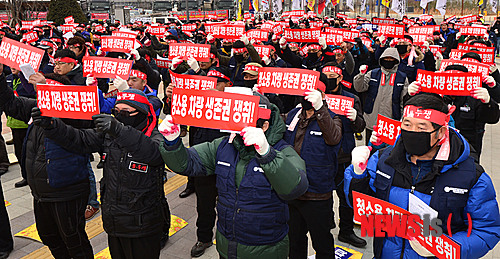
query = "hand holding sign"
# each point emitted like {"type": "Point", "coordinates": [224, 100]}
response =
{"type": "Point", "coordinates": [169, 129]}
{"type": "Point", "coordinates": [360, 156]}
{"type": "Point", "coordinates": [39, 119]}
{"type": "Point", "coordinates": [257, 138]}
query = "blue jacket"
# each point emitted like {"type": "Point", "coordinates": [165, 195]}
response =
{"type": "Point", "coordinates": [410, 71]}
{"type": "Point", "coordinates": [106, 104]}
{"type": "Point", "coordinates": [388, 177]}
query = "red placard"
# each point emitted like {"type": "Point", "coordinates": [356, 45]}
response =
{"type": "Point", "coordinates": [260, 35]}
{"type": "Point", "coordinates": [383, 21]}
{"type": "Point", "coordinates": [425, 17]}
{"type": "Point", "coordinates": [487, 58]}
{"type": "Point", "coordinates": [68, 101]}
{"type": "Point", "coordinates": [69, 19]}
{"type": "Point", "coordinates": [302, 35]}
{"type": "Point", "coordinates": [14, 53]}
{"type": "Point", "coordinates": [188, 27]}
{"type": "Point", "coordinates": [468, 18]}
{"type": "Point", "coordinates": [267, 26]}
{"type": "Point", "coordinates": [341, 16]}
{"type": "Point", "coordinates": [366, 41]}
{"type": "Point", "coordinates": [408, 21]}
{"type": "Point", "coordinates": [388, 129]}
{"type": "Point", "coordinates": [157, 30]}
{"type": "Point", "coordinates": [101, 67]}
{"type": "Point", "coordinates": [339, 104]}
{"type": "Point", "coordinates": [456, 84]}
{"type": "Point", "coordinates": [214, 109]}
{"type": "Point", "coordinates": [200, 52]}
{"type": "Point", "coordinates": [193, 82]}
{"type": "Point", "coordinates": [435, 49]}
{"type": "Point", "coordinates": [247, 16]}
{"type": "Point", "coordinates": [391, 30]}
{"type": "Point", "coordinates": [163, 62]}
{"type": "Point", "coordinates": [428, 30]}
{"type": "Point", "coordinates": [278, 29]}
{"type": "Point", "coordinates": [295, 13]}
{"type": "Point", "coordinates": [117, 44]}
{"type": "Point", "coordinates": [26, 25]}
{"type": "Point", "coordinates": [124, 34]}
{"type": "Point", "coordinates": [228, 31]}
{"type": "Point", "coordinates": [333, 38]}
{"type": "Point", "coordinates": [263, 50]}
{"type": "Point", "coordinates": [481, 48]}
{"type": "Point", "coordinates": [473, 30]}
{"type": "Point", "coordinates": [442, 247]}
{"type": "Point", "coordinates": [292, 81]}
{"type": "Point", "coordinates": [419, 39]}
{"type": "Point", "coordinates": [473, 67]}
{"type": "Point", "coordinates": [30, 37]}
{"type": "Point", "coordinates": [99, 16]}
{"type": "Point", "coordinates": [68, 27]}
{"type": "Point", "coordinates": [99, 28]}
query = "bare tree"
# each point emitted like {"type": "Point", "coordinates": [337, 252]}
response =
{"type": "Point", "coordinates": [15, 8]}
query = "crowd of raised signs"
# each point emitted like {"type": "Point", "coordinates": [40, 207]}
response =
{"type": "Point", "coordinates": [364, 71]}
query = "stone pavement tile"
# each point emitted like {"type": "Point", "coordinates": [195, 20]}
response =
{"type": "Point", "coordinates": [181, 248]}
{"type": "Point", "coordinates": [16, 211]}
{"type": "Point", "coordinates": [32, 247]}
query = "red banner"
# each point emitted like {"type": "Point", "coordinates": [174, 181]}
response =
{"type": "Point", "coordinates": [481, 48]}
{"type": "Point", "coordinates": [488, 58]}
{"type": "Point", "coordinates": [456, 84]}
{"type": "Point", "coordinates": [4, 17]}
{"type": "Point", "coordinates": [333, 38]}
{"type": "Point", "coordinates": [260, 35]}
{"type": "Point", "coordinates": [14, 53]}
{"type": "Point", "coordinates": [200, 52]}
{"type": "Point", "coordinates": [247, 16]}
{"type": "Point", "coordinates": [188, 27]}
{"type": "Point", "coordinates": [339, 104]}
{"type": "Point", "coordinates": [341, 16]}
{"type": "Point", "coordinates": [292, 81]}
{"type": "Point", "coordinates": [200, 15]}
{"type": "Point", "coordinates": [30, 37]}
{"type": "Point", "coordinates": [263, 50]}
{"type": "Point", "coordinates": [193, 82]}
{"type": "Point", "coordinates": [442, 247]}
{"type": "Point", "coordinates": [214, 109]}
{"type": "Point", "coordinates": [388, 129]}
{"type": "Point", "coordinates": [473, 30]}
{"type": "Point", "coordinates": [268, 26]}
{"type": "Point", "coordinates": [157, 30]}
{"type": "Point", "coordinates": [117, 44]}
{"type": "Point", "coordinates": [228, 31]}
{"type": "Point", "coordinates": [473, 67]}
{"type": "Point", "coordinates": [278, 29]}
{"type": "Point", "coordinates": [295, 13]}
{"type": "Point", "coordinates": [68, 101]}
{"type": "Point", "coordinates": [26, 25]}
{"type": "Point", "coordinates": [383, 21]}
{"type": "Point", "coordinates": [124, 34]}
{"type": "Point", "coordinates": [100, 67]}
{"type": "Point", "coordinates": [419, 39]}
{"type": "Point", "coordinates": [99, 16]}
{"type": "Point", "coordinates": [302, 35]}
{"type": "Point", "coordinates": [468, 18]}
{"type": "Point", "coordinates": [428, 30]}
{"type": "Point", "coordinates": [68, 27]}
{"type": "Point", "coordinates": [408, 21]}
{"type": "Point", "coordinates": [391, 30]}
{"type": "Point", "coordinates": [163, 62]}
{"type": "Point", "coordinates": [69, 19]}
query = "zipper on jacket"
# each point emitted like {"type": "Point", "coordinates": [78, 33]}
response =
{"type": "Point", "coordinates": [234, 215]}
{"type": "Point", "coordinates": [118, 187]}
{"type": "Point", "coordinates": [403, 249]}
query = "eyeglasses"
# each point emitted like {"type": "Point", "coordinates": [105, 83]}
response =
{"type": "Point", "coordinates": [123, 113]}
{"type": "Point", "coordinates": [60, 63]}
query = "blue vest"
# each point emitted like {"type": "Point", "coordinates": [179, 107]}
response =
{"type": "Point", "coordinates": [443, 200]}
{"type": "Point", "coordinates": [237, 73]}
{"type": "Point", "coordinates": [372, 92]}
{"type": "Point", "coordinates": [320, 158]}
{"type": "Point", "coordinates": [251, 214]}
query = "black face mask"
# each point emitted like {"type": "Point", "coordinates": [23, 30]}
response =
{"type": "Point", "coordinates": [306, 105]}
{"type": "Point", "coordinates": [228, 48]}
{"type": "Point", "coordinates": [238, 58]}
{"type": "Point", "coordinates": [388, 64]}
{"type": "Point", "coordinates": [250, 83]}
{"type": "Point", "coordinates": [332, 84]}
{"type": "Point", "coordinates": [312, 57]}
{"type": "Point", "coordinates": [402, 49]}
{"type": "Point", "coordinates": [134, 121]}
{"type": "Point", "coordinates": [417, 143]}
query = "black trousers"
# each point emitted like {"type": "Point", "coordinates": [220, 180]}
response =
{"type": "Point", "coordinates": [6, 242]}
{"type": "Point", "coordinates": [206, 197]}
{"type": "Point", "coordinates": [346, 213]}
{"type": "Point", "coordinates": [132, 248]}
{"type": "Point", "coordinates": [4, 158]}
{"type": "Point", "coordinates": [313, 217]}
{"type": "Point", "coordinates": [61, 226]}
{"type": "Point", "coordinates": [18, 136]}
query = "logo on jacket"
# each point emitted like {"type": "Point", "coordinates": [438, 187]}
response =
{"type": "Point", "coordinates": [139, 167]}
{"type": "Point", "coordinates": [223, 163]}
{"type": "Point", "coordinates": [455, 190]}
{"type": "Point", "coordinates": [316, 133]}
{"type": "Point", "coordinates": [258, 169]}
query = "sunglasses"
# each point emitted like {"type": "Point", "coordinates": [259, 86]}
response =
{"type": "Point", "coordinates": [123, 113]}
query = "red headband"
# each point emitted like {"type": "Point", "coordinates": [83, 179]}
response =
{"type": "Point", "coordinates": [139, 74]}
{"type": "Point", "coordinates": [239, 50]}
{"type": "Point", "coordinates": [215, 73]}
{"type": "Point", "coordinates": [251, 68]}
{"type": "Point", "coordinates": [67, 60]}
{"type": "Point", "coordinates": [141, 99]}
{"type": "Point", "coordinates": [435, 116]}
{"type": "Point", "coordinates": [293, 45]}
{"type": "Point", "coordinates": [332, 69]}
{"type": "Point", "coordinates": [314, 46]}
{"type": "Point", "coordinates": [338, 51]}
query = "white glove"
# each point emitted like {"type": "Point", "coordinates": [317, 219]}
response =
{"type": "Point", "coordinates": [175, 63]}
{"type": "Point", "coordinates": [493, 68]}
{"type": "Point", "coordinates": [322, 42]}
{"type": "Point", "coordinates": [458, 35]}
{"type": "Point", "coordinates": [135, 54]}
{"type": "Point", "coordinates": [120, 84]}
{"type": "Point", "coordinates": [283, 43]}
{"type": "Point", "coordinates": [193, 63]}
{"type": "Point", "coordinates": [257, 138]}
{"type": "Point", "coordinates": [168, 129]}
{"type": "Point", "coordinates": [374, 139]}
{"type": "Point", "coordinates": [363, 69]}
{"type": "Point", "coordinates": [315, 98]}
{"type": "Point", "coordinates": [100, 53]}
{"type": "Point", "coordinates": [439, 56]}
{"type": "Point", "coordinates": [481, 94]}
{"type": "Point", "coordinates": [382, 39]}
{"type": "Point", "coordinates": [244, 38]}
{"type": "Point", "coordinates": [419, 249]}
{"type": "Point", "coordinates": [489, 81]}
{"type": "Point", "coordinates": [210, 38]}
{"type": "Point", "coordinates": [90, 81]}
{"type": "Point", "coordinates": [266, 60]}
{"type": "Point", "coordinates": [414, 88]}
{"type": "Point", "coordinates": [360, 156]}
{"type": "Point", "coordinates": [351, 114]}
{"type": "Point", "coordinates": [274, 39]}
{"type": "Point", "coordinates": [486, 36]}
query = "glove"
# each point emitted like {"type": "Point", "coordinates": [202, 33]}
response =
{"type": "Point", "coordinates": [100, 53]}
{"type": "Point", "coordinates": [39, 120]}
{"type": "Point", "coordinates": [481, 94]}
{"type": "Point", "coordinates": [360, 156]}
{"type": "Point", "coordinates": [419, 249]}
{"type": "Point", "coordinates": [283, 43]}
{"type": "Point", "coordinates": [374, 138]}
{"type": "Point", "coordinates": [274, 39]}
{"type": "Point", "coordinates": [106, 123]}
{"type": "Point", "coordinates": [493, 68]}
{"type": "Point", "coordinates": [458, 35]}
{"type": "Point", "coordinates": [351, 114]}
{"type": "Point", "coordinates": [322, 42]}
{"type": "Point", "coordinates": [210, 38]}
{"type": "Point", "coordinates": [315, 98]}
{"type": "Point", "coordinates": [266, 60]}
{"type": "Point", "coordinates": [90, 81]}
{"type": "Point", "coordinates": [414, 88]}
{"type": "Point", "coordinates": [244, 38]}
{"type": "Point", "coordinates": [168, 129]}
{"type": "Point", "coordinates": [257, 138]}
{"type": "Point", "coordinates": [489, 81]}
{"type": "Point", "coordinates": [135, 54]}
{"type": "Point", "coordinates": [363, 69]}
{"type": "Point", "coordinates": [382, 39]}
{"type": "Point", "coordinates": [193, 63]}
{"type": "Point", "coordinates": [175, 63]}
{"type": "Point", "coordinates": [256, 88]}
{"type": "Point", "coordinates": [486, 36]}
{"type": "Point", "coordinates": [439, 55]}
{"type": "Point", "coordinates": [120, 84]}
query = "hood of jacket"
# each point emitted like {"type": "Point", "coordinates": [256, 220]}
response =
{"type": "Point", "coordinates": [393, 53]}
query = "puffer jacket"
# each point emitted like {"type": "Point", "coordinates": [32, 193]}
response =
{"type": "Point", "coordinates": [277, 176]}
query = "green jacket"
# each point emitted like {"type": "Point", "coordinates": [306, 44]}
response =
{"type": "Point", "coordinates": [285, 173]}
